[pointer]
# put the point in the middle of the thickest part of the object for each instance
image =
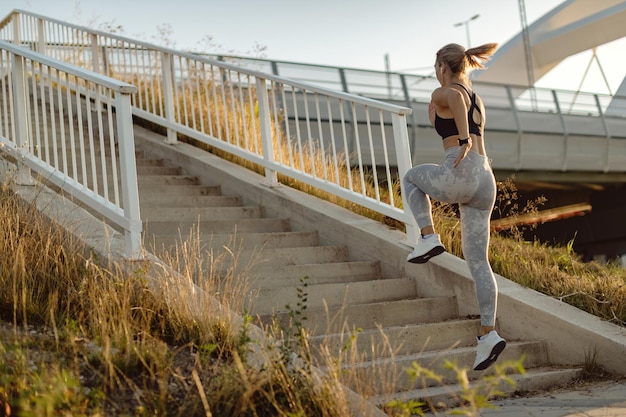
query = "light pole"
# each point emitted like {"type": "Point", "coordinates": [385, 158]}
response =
{"type": "Point", "coordinates": [466, 23]}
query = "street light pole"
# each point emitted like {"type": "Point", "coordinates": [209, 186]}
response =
{"type": "Point", "coordinates": [466, 24]}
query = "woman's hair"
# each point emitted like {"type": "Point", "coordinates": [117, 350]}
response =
{"type": "Point", "coordinates": [460, 60]}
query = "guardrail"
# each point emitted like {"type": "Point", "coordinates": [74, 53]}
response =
{"type": "Point", "coordinates": [73, 128]}
{"type": "Point", "coordinates": [300, 130]}
{"type": "Point", "coordinates": [405, 87]}
{"type": "Point", "coordinates": [533, 130]}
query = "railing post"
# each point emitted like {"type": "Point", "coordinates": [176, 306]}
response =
{"type": "Point", "coordinates": [518, 125]}
{"type": "Point", "coordinates": [41, 37]}
{"type": "Point", "coordinates": [407, 102]}
{"type": "Point", "coordinates": [344, 80]}
{"type": "Point", "coordinates": [348, 110]}
{"type": "Point", "coordinates": [403, 156]}
{"type": "Point", "coordinates": [128, 171]}
{"type": "Point", "coordinates": [95, 56]}
{"type": "Point", "coordinates": [266, 131]}
{"type": "Point", "coordinates": [105, 62]}
{"type": "Point", "coordinates": [168, 96]}
{"type": "Point", "coordinates": [565, 133]}
{"type": "Point", "coordinates": [274, 68]}
{"type": "Point", "coordinates": [16, 29]}
{"type": "Point", "coordinates": [607, 155]}
{"type": "Point", "coordinates": [20, 115]}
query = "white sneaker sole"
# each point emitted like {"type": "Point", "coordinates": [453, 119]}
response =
{"type": "Point", "coordinates": [437, 250]}
{"type": "Point", "coordinates": [493, 356]}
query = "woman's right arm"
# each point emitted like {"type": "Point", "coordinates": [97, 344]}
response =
{"type": "Point", "coordinates": [455, 101]}
{"type": "Point", "coordinates": [432, 111]}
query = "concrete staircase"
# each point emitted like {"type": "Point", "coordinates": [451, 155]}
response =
{"type": "Point", "coordinates": [394, 324]}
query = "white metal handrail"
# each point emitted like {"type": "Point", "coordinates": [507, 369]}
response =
{"type": "Point", "coordinates": [296, 129]}
{"type": "Point", "coordinates": [58, 122]}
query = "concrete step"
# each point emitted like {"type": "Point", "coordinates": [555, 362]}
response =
{"type": "Point", "coordinates": [152, 179]}
{"type": "Point", "coordinates": [371, 316]}
{"type": "Point", "coordinates": [161, 180]}
{"type": "Point", "coordinates": [140, 161]}
{"type": "Point", "coordinates": [143, 162]}
{"type": "Point", "coordinates": [200, 214]}
{"type": "Point", "coordinates": [450, 396]}
{"type": "Point", "coordinates": [155, 169]}
{"type": "Point", "coordinates": [387, 372]}
{"type": "Point", "coordinates": [178, 190]}
{"type": "Point", "coordinates": [296, 256]}
{"type": "Point", "coordinates": [256, 225]}
{"type": "Point", "coordinates": [289, 275]}
{"type": "Point", "coordinates": [164, 200]}
{"type": "Point", "coordinates": [226, 259]}
{"type": "Point", "coordinates": [272, 300]}
{"type": "Point", "coordinates": [407, 339]}
{"type": "Point", "coordinates": [247, 241]}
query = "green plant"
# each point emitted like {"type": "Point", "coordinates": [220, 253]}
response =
{"type": "Point", "coordinates": [39, 385]}
{"type": "Point", "coordinates": [472, 395]}
{"type": "Point", "coordinates": [591, 369]}
{"type": "Point", "coordinates": [295, 333]}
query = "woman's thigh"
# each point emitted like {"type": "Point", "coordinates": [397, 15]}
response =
{"type": "Point", "coordinates": [443, 182]}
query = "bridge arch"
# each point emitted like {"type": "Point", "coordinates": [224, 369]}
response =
{"type": "Point", "coordinates": [572, 27]}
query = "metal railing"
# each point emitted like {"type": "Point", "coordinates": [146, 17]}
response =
{"type": "Point", "coordinates": [73, 129]}
{"type": "Point", "coordinates": [404, 87]}
{"type": "Point", "coordinates": [575, 127]}
{"type": "Point", "coordinates": [305, 132]}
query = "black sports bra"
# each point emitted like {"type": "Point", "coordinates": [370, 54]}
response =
{"type": "Point", "coordinates": [446, 127]}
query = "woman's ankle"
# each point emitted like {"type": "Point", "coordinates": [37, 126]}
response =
{"type": "Point", "coordinates": [486, 329]}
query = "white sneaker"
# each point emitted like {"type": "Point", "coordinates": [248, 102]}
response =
{"type": "Point", "coordinates": [426, 249]}
{"type": "Point", "coordinates": [489, 348]}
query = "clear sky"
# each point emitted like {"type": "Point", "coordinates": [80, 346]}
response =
{"type": "Point", "coordinates": [350, 33]}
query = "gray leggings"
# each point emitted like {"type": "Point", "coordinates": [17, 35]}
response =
{"type": "Point", "coordinates": [472, 185]}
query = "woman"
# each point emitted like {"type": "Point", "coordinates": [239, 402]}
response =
{"type": "Point", "coordinates": [466, 178]}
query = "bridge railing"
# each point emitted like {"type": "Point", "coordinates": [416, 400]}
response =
{"type": "Point", "coordinates": [73, 129]}
{"type": "Point", "coordinates": [349, 146]}
{"type": "Point", "coordinates": [408, 88]}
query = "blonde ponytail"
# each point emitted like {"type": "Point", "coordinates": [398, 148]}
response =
{"type": "Point", "coordinates": [460, 60]}
{"type": "Point", "coordinates": [477, 57]}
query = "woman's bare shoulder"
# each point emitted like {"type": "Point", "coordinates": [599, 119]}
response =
{"type": "Point", "coordinates": [436, 92]}
{"type": "Point", "coordinates": [442, 96]}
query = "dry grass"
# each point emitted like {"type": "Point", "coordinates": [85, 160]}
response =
{"type": "Point", "coordinates": [82, 339]}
